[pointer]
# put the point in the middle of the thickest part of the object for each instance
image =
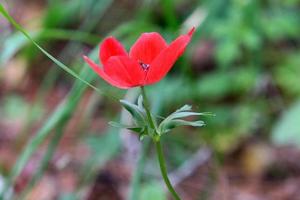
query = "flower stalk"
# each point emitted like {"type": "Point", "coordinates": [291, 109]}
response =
{"type": "Point", "coordinates": [146, 106]}
{"type": "Point", "coordinates": [163, 169]}
{"type": "Point", "coordinates": [156, 140]}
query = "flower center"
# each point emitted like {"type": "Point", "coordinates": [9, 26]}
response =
{"type": "Point", "coordinates": [144, 66]}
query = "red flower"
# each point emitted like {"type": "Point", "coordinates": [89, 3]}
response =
{"type": "Point", "coordinates": [148, 61]}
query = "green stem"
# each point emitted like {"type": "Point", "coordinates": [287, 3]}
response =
{"type": "Point", "coordinates": [163, 169]}
{"type": "Point", "coordinates": [146, 105]}
{"type": "Point", "coordinates": [160, 156]}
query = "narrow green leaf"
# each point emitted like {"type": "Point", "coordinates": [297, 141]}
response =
{"type": "Point", "coordinates": [184, 108]}
{"type": "Point", "coordinates": [179, 122]}
{"type": "Point", "coordinates": [135, 129]}
{"type": "Point", "coordinates": [166, 127]}
{"type": "Point", "coordinates": [139, 130]}
{"type": "Point", "coordinates": [183, 114]}
{"type": "Point", "coordinates": [15, 42]}
{"type": "Point", "coordinates": [61, 65]}
{"type": "Point", "coordinates": [118, 125]}
{"type": "Point", "coordinates": [59, 116]}
{"type": "Point", "coordinates": [137, 113]}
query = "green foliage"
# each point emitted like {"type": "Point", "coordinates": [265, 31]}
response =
{"type": "Point", "coordinates": [286, 130]}
{"type": "Point", "coordinates": [287, 74]}
{"type": "Point", "coordinates": [137, 111]}
{"type": "Point", "coordinates": [61, 65]}
{"type": "Point", "coordinates": [220, 84]}
{"type": "Point", "coordinates": [277, 26]}
{"type": "Point", "coordinates": [175, 119]}
{"type": "Point", "coordinates": [60, 13]}
{"type": "Point", "coordinates": [153, 190]}
{"type": "Point", "coordinates": [17, 41]}
{"type": "Point", "coordinates": [104, 146]}
{"type": "Point", "coordinates": [16, 108]}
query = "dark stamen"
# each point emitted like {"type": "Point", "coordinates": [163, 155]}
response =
{"type": "Point", "coordinates": [144, 66]}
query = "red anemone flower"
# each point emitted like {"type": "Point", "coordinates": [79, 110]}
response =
{"type": "Point", "coordinates": [148, 61]}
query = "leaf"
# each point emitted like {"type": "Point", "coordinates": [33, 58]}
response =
{"type": "Point", "coordinates": [173, 120]}
{"type": "Point", "coordinates": [137, 113]}
{"type": "Point", "coordinates": [178, 122]}
{"type": "Point", "coordinates": [184, 108]}
{"type": "Point", "coordinates": [118, 125]}
{"type": "Point", "coordinates": [184, 114]}
{"type": "Point", "coordinates": [135, 129]}
{"type": "Point", "coordinates": [166, 127]}
{"type": "Point", "coordinates": [17, 41]}
{"type": "Point", "coordinates": [287, 130]}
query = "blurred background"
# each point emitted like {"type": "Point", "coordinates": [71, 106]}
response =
{"type": "Point", "coordinates": [243, 65]}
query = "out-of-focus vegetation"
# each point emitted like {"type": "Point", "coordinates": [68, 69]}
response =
{"type": "Point", "coordinates": [243, 65]}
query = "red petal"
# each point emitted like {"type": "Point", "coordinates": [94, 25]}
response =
{"type": "Point", "coordinates": [111, 47]}
{"type": "Point", "coordinates": [124, 69]}
{"type": "Point", "coordinates": [191, 32]}
{"type": "Point", "coordinates": [103, 75]}
{"type": "Point", "coordinates": [147, 47]}
{"type": "Point", "coordinates": [166, 59]}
